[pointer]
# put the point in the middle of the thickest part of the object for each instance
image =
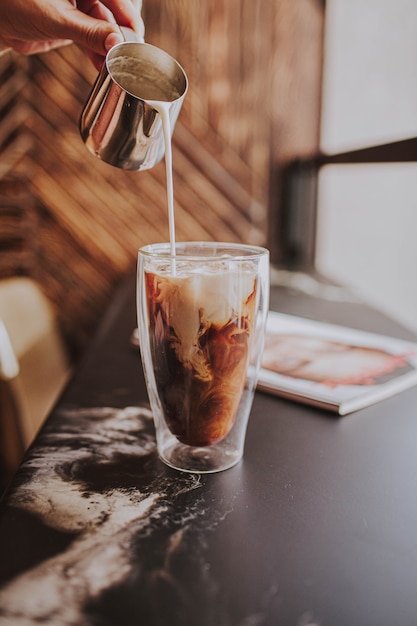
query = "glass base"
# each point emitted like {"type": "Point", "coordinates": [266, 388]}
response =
{"type": "Point", "coordinates": [200, 460]}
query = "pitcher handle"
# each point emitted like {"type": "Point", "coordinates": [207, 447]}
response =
{"type": "Point", "coordinates": [130, 35]}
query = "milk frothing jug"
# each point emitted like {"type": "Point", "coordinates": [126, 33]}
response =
{"type": "Point", "coordinates": [119, 123]}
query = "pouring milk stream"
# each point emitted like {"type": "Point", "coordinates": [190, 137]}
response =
{"type": "Point", "coordinates": [163, 110]}
{"type": "Point", "coordinates": [152, 87]}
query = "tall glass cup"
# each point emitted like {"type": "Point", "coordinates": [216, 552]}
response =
{"type": "Point", "coordinates": [201, 319]}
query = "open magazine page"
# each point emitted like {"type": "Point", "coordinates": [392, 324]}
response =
{"type": "Point", "coordinates": [334, 367]}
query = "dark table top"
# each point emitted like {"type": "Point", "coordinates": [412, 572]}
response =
{"type": "Point", "coordinates": [316, 526]}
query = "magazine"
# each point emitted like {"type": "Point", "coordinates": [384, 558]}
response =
{"type": "Point", "coordinates": [333, 367]}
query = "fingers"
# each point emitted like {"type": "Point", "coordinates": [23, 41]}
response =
{"type": "Point", "coordinates": [91, 25]}
{"type": "Point", "coordinates": [110, 12]}
{"type": "Point", "coordinates": [114, 12]}
{"type": "Point", "coordinates": [37, 25]}
{"type": "Point", "coordinates": [126, 13]}
{"type": "Point", "coordinates": [96, 9]}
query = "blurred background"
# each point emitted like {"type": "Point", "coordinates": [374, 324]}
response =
{"type": "Point", "coordinates": [279, 89]}
{"type": "Point", "coordinates": [367, 212]}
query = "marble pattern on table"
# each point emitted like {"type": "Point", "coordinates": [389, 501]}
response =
{"type": "Point", "coordinates": [94, 476]}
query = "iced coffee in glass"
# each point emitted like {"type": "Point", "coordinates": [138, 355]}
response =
{"type": "Point", "coordinates": [201, 317]}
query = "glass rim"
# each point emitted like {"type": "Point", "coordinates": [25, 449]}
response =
{"type": "Point", "coordinates": [241, 251]}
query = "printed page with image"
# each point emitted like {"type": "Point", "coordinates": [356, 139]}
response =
{"type": "Point", "coordinates": [333, 367]}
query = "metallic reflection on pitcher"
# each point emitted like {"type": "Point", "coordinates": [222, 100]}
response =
{"type": "Point", "coordinates": [119, 123]}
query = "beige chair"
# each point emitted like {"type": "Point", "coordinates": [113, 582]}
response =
{"type": "Point", "coordinates": [11, 413]}
{"type": "Point", "coordinates": [34, 366]}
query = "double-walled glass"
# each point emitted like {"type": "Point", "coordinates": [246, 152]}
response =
{"type": "Point", "coordinates": [201, 317]}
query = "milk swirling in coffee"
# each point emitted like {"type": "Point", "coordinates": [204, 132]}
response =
{"type": "Point", "coordinates": [200, 326]}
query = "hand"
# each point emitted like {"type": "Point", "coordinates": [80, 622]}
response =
{"type": "Point", "coordinates": [32, 26]}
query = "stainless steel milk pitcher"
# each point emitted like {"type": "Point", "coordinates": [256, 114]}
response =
{"type": "Point", "coordinates": [119, 123]}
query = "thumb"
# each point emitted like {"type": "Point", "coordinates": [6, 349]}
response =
{"type": "Point", "coordinates": [94, 35]}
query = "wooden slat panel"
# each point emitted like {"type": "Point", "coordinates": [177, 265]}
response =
{"type": "Point", "coordinates": [18, 249]}
{"type": "Point", "coordinates": [252, 66]}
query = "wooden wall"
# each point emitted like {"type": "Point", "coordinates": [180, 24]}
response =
{"type": "Point", "coordinates": [254, 68]}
